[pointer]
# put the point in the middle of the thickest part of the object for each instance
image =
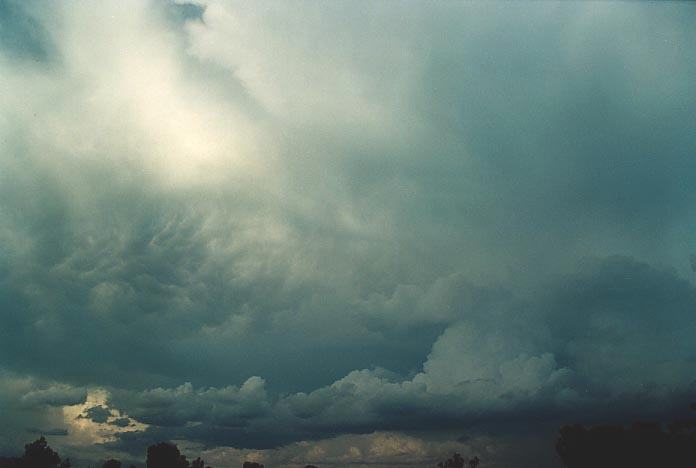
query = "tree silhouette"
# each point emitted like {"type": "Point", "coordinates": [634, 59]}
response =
{"type": "Point", "coordinates": [165, 455]}
{"type": "Point", "coordinates": [457, 461]}
{"type": "Point", "coordinates": [39, 455]}
{"type": "Point", "coordinates": [252, 465]}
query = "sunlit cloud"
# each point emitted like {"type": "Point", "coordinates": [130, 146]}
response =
{"type": "Point", "coordinates": [85, 429]}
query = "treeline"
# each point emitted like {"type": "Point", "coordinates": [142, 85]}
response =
{"type": "Point", "coordinates": [647, 444]}
{"type": "Point", "coordinates": [38, 454]}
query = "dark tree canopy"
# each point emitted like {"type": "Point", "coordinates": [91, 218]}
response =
{"type": "Point", "coordinates": [252, 465]}
{"type": "Point", "coordinates": [39, 455]}
{"type": "Point", "coordinates": [6, 462]}
{"type": "Point", "coordinates": [162, 455]}
{"type": "Point", "coordinates": [111, 464]}
{"type": "Point", "coordinates": [165, 455]}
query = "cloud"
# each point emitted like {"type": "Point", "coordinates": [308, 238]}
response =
{"type": "Point", "coordinates": [543, 360]}
{"type": "Point", "coordinates": [228, 406]}
{"type": "Point", "coordinates": [379, 448]}
{"type": "Point", "coordinates": [32, 405]}
{"type": "Point", "coordinates": [189, 202]}
{"type": "Point", "coordinates": [97, 414]}
{"type": "Point", "coordinates": [22, 35]}
{"type": "Point", "coordinates": [55, 395]}
{"type": "Point", "coordinates": [49, 432]}
{"type": "Point", "coordinates": [121, 422]}
{"type": "Point", "coordinates": [340, 219]}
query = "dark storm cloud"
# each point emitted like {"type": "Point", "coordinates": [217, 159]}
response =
{"type": "Point", "coordinates": [98, 414]}
{"type": "Point", "coordinates": [487, 200]}
{"type": "Point", "coordinates": [480, 374]}
{"type": "Point", "coordinates": [121, 422]}
{"type": "Point", "coordinates": [56, 395]}
{"type": "Point", "coordinates": [30, 403]}
{"type": "Point", "coordinates": [229, 406]}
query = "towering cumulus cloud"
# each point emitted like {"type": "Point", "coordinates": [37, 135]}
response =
{"type": "Point", "coordinates": [343, 232]}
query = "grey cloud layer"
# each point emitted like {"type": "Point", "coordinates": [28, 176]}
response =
{"type": "Point", "coordinates": [277, 204]}
{"type": "Point", "coordinates": [548, 356]}
{"type": "Point", "coordinates": [32, 405]}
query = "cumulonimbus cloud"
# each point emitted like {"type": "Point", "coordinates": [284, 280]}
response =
{"type": "Point", "coordinates": [341, 218]}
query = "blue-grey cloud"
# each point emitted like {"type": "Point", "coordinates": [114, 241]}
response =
{"type": "Point", "coordinates": [98, 414]}
{"type": "Point", "coordinates": [256, 225]}
{"type": "Point", "coordinates": [22, 35]}
{"type": "Point", "coordinates": [481, 371]}
{"type": "Point", "coordinates": [49, 432]}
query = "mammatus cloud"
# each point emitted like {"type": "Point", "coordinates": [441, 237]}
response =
{"type": "Point", "coordinates": [346, 227]}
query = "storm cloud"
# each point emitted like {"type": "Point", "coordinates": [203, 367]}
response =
{"type": "Point", "coordinates": [323, 226]}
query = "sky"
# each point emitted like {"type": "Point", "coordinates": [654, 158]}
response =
{"type": "Point", "coordinates": [343, 233]}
